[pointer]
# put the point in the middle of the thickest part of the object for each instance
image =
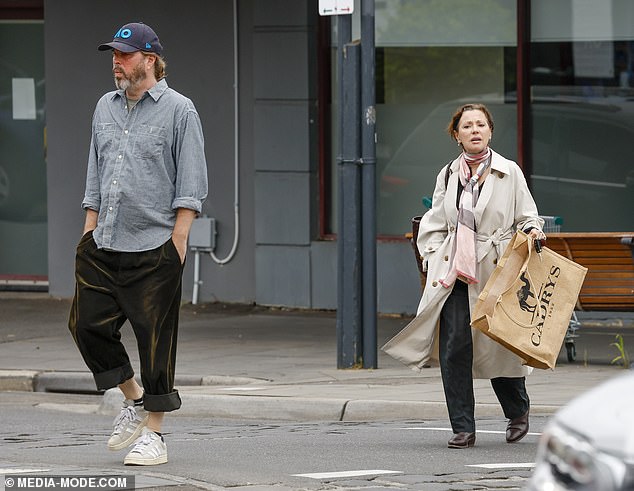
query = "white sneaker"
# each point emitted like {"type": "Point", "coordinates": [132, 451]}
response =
{"type": "Point", "coordinates": [149, 449]}
{"type": "Point", "coordinates": [127, 426]}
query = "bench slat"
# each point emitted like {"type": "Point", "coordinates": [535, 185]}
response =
{"type": "Point", "coordinates": [609, 282]}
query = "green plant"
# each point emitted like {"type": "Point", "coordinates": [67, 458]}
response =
{"type": "Point", "coordinates": [624, 356]}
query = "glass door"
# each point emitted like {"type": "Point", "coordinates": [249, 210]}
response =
{"type": "Point", "coordinates": [23, 216]}
{"type": "Point", "coordinates": [431, 57]}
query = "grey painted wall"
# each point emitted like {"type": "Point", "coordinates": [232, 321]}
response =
{"type": "Point", "coordinates": [280, 260]}
{"type": "Point", "coordinates": [285, 168]}
{"type": "Point", "coordinates": [198, 42]}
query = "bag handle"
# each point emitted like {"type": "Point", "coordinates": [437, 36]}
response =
{"type": "Point", "coordinates": [524, 265]}
{"type": "Point", "coordinates": [495, 288]}
{"type": "Point", "coordinates": [523, 270]}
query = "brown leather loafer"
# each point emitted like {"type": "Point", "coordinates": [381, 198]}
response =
{"type": "Point", "coordinates": [462, 440]}
{"type": "Point", "coordinates": [517, 429]}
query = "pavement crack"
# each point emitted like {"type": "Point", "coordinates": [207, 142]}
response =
{"type": "Point", "coordinates": [343, 411]}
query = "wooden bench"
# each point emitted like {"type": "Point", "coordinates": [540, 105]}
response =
{"type": "Point", "coordinates": [609, 284]}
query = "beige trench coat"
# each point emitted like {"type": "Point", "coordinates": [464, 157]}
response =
{"type": "Point", "coordinates": [505, 205]}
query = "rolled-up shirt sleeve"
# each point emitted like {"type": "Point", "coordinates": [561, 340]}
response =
{"type": "Point", "coordinates": [92, 195]}
{"type": "Point", "coordinates": [191, 167]}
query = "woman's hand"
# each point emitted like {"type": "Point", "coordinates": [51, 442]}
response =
{"type": "Point", "coordinates": [537, 234]}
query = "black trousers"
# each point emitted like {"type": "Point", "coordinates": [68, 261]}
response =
{"type": "Point", "coordinates": [144, 288]}
{"type": "Point", "coordinates": [456, 360]}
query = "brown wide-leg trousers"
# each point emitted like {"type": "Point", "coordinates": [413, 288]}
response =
{"type": "Point", "coordinates": [142, 287]}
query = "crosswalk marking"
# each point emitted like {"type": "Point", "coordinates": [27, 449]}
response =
{"type": "Point", "coordinates": [330, 475]}
{"type": "Point", "coordinates": [242, 389]}
{"type": "Point", "coordinates": [22, 470]}
{"type": "Point", "coordinates": [494, 432]}
{"type": "Point", "coordinates": [505, 465]}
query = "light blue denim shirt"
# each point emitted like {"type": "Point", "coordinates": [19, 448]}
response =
{"type": "Point", "coordinates": [143, 165]}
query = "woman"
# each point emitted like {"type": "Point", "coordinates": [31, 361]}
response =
{"type": "Point", "coordinates": [480, 200]}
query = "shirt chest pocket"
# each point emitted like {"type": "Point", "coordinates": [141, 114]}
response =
{"type": "Point", "coordinates": [150, 142]}
{"type": "Point", "coordinates": [104, 137]}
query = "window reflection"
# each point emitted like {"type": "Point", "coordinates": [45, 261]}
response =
{"type": "Point", "coordinates": [583, 126]}
{"type": "Point", "coordinates": [431, 58]}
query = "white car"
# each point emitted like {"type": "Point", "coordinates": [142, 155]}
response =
{"type": "Point", "coordinates": [588, 445]}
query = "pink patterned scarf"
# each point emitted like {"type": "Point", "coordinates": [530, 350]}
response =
{"type": "Point", "coordinates": [463, 256]}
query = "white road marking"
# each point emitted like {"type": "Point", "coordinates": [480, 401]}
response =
{"type": "Point", "coordinates": [9, 470]}
{"type": "Point", "coordinates": [330, 475]}
{"type": "Point", "coordinates": [70, 408]}
{"type": "Point", "coordinates": [243, 389]}
{"type": "Point", "coordinates": [517, 465]}
{"type": "Point", "coordinates": [495, 432]}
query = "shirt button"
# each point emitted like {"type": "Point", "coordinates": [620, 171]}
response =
{"type": "Point", "coordinates": [110, 208]}
{"type": "Point", "coordinates": [435, 283]}
{"type": "Point", "coordinates": [120, 157]}
{"type": "Point", "coordinates": [125, 131]}
{"type": "Point", "coordinates": [114, 182]}
{"type": "Point", "coordinates": [451, 229]}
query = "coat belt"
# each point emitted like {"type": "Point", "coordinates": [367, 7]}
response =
{"type": "Point", "coordinates": [497, 239]}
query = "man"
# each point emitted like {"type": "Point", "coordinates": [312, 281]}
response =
{"type": "Point", "coordinates": [146, 181]}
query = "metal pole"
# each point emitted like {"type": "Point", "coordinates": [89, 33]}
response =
{"type": "Point", "coordinates": [344, 34]}
{"type": "Point", "coordinates": [368, 184]}
{"type": "Point", "coordinates": [524, 119]}
{"type": "Point", "coordinates": [349, 336]}
{"type": "Point", "coordinates": [351, 204]}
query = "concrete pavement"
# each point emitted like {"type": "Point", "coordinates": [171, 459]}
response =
{"type": "Point", "coordinates": [237, 361]}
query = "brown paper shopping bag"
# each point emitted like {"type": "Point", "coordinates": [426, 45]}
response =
{"type": "Point", "coordinates": [527, 302]}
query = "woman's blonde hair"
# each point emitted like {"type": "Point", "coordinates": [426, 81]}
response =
{"type": "Point", "coordinates": [160, 65]}
{"type": "Point", "coordinates": [455, 119]}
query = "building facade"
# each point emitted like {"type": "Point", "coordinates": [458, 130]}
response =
{"type": "Point", "coordinates": [557, 75]}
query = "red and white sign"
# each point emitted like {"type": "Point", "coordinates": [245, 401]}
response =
{"type": "Point", "coordinates": [336, 7]}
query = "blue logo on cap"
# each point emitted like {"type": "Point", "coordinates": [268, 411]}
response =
{"type": "Point", "coordinates": [123, 33]}
{"type": "Point", "coordinates": [148, 46]}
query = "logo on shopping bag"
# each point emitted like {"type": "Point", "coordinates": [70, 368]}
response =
{"type": "Point", "coordinates": [524, 295]}
{"type": "Point", "coordinates": [539, 306]}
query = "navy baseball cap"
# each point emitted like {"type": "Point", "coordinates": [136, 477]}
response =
{"type": "Point", "coordinates": [135, 36]}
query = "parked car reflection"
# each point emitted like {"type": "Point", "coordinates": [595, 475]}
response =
{"type": "Point", "coordinates": [579, 169]}
{"type": "Point", "coordinates": [589, 444]}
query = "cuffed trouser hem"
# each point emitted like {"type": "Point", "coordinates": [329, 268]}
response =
{"type": "Point", "coordinates": [114, 377]}
{"type": "Point", "coordinates": [161, 403]}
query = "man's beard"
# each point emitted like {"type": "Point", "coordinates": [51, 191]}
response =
{"type": "Point", "coordinates": [133, 80]}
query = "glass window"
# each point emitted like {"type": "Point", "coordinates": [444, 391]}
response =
{"type": "Point", "coordinates": [431, 57]}
{"type": "Point", "coordinates": [23, 214]}
{"type": "Point", "coordinates": [582, 63]}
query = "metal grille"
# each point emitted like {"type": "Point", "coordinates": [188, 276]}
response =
{"type": "Point", "coordinates": [552, 223]}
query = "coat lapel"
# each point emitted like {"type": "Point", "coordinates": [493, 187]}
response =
{"type": "Point", "coordinates": [451, 212]}
{"type": "Point", "coordinates": [499, 170]}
